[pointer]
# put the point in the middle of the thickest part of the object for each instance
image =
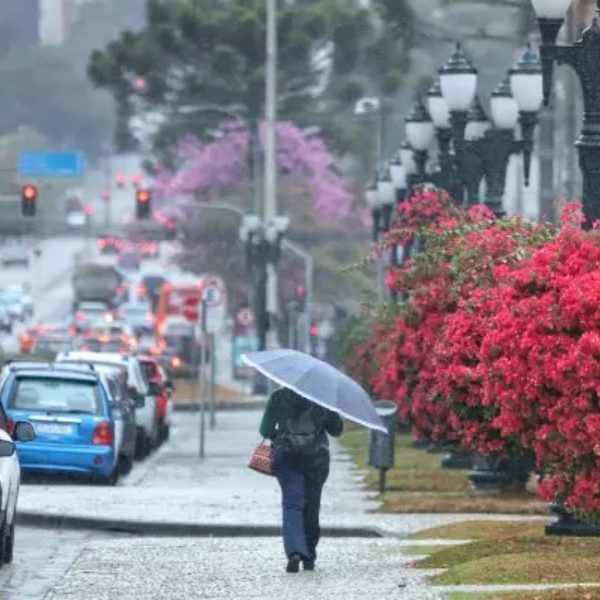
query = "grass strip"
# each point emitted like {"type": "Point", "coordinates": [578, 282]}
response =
{"type": "Point", "coordinates": [510, 553]}
{"type": "Point", "coordinates": [418, 484]}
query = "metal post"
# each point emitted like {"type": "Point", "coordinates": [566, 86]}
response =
{"type": "Point", "coordinates": [270, 202]}
{"type": "Point", "coordinates": [382, 475]}
{"type": "Point", "coordinates": [203, 381]}
{"type": "Point", "coordinates": [213, 375]}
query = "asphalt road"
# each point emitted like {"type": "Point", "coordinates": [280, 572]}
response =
{"type": "Point", "coordinates": [41, 559]}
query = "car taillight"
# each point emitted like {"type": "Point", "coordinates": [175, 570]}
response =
{"type": "Point", "coordinates": [79, 316]}
{"type": "Point", "coordinates": [103, 434]}
{"type": "Point", "coordinates": [10, 426]}
{"type": "Point", "coordinates": [176, 362]}
{"type": "Point", "coordinates": [26, 338]}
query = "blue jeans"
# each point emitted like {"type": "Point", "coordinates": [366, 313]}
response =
{"type": "Point", "coordinates": [301, 479]}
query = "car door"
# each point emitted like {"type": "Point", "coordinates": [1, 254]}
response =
{"type": "Point", "coordinates": [10, 474]}
{"type": "Point", "coordinates": [117, 415]}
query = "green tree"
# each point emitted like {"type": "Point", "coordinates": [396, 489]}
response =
{"type": "Point", "coordinates": [213, 53]}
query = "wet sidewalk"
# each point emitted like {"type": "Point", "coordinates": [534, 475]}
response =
{"type": "Point", "coordinates": [175, 487]}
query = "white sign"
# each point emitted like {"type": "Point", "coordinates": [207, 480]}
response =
{"type": "Point", "coordinates": [213, 296]}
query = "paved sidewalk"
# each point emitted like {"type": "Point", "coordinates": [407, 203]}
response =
{"type": "Point", "coordinates": [175, 486]}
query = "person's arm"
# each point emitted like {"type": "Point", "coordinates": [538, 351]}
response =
{"type": "Point", "coordinates": [269, 421]}
{"type": "Point", "coordinates": [334, 424]}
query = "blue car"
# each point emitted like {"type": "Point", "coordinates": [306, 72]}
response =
{"type": "Point", "coordinates": [72, 417]}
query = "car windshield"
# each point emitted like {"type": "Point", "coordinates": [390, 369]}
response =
{"type": "Point", "coordinates": [136, 311]}
{"type": "Point", "coordinates": [56, 396]}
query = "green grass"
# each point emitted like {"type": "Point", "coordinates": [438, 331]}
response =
{"type": "Point", "coordinates": [579, 593]}
{"type": "Point", "coordinates": [418, 484]}
{"type": "Point", "coordinates": [511, 553]}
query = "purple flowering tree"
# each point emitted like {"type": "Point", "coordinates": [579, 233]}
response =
{"type": "Point", "coordinates": [216, 167]}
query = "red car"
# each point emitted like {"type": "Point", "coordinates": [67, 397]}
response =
{"type": "Point", "coordinates": [154, 372]}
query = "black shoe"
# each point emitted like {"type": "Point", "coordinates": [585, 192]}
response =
{"type": "Point", "coordinates": [293, 565]}
{"type": "Point", "coordinates": [308, 564]}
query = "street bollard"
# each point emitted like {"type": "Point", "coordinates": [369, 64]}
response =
{"type": "Point", "coordinates": [382, 446]}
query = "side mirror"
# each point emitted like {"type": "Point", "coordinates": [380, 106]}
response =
{"type": "Point", "coordinates": [170, 386]}
{"type": "Point", "coordinates": [6, 449]}
{"type": "Point", "coordinates": [24, 432]}
{"type": "Point", "coordinates": [154, 388]}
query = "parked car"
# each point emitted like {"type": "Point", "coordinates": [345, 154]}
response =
{"type": "Point", "coordinates": [155, 373]}
{"type": "Point", "coordinates": [123, 407]}
{"type": "Point", "coordinates": [89, 313]}
{"type": "Point", "coordinates": [72, 417]}
{"type": "Point", "coordinates": [143, 392]}
{"type": "Point", "coordinates": [10, 476]}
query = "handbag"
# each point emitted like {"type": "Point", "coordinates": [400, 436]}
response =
{"type": "Point", "coordinates": [262, 459]}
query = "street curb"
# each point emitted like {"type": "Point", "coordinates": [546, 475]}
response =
{"type": "Point", "coordinates": [154, 529]}
{"type": "Point", "coordinates": [221, 406]}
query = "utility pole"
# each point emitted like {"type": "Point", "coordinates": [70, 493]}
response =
{"type": "Point", "coordinates": [270, 201]}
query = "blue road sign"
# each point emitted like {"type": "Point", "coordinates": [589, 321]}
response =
{"type": "Point", "coordinates": [69, 165]}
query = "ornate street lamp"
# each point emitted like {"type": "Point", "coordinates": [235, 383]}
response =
{"type": "Point", "coordinates": [584, 58]}
{"type": "Point", "coordinates": [372, 199]}
{"type": "Point", "coordinates": [526, 83]}
{"type": "Point", "coordinates": [386, 193]}
{"type": "Point", "coordinates": [477, 127]}
{"type": "Point", "coordinates": [398, 173]}
{"type": "Point", "coordinates": [420, 132]}
{"type": "Point", "coordinates": [501, 144]}
{"type": "Point", "coordinates": [440, 114]}
{"type": "Point", "coordinates": [458, 83]}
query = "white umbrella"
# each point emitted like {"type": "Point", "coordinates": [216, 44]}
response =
{"type": "Point", "coordinates": [318, 382]}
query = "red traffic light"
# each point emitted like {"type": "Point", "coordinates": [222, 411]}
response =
{"type": "Point", "coordinates": [29, 192]}
{"type": "Point", "coordinates": [144, 196]}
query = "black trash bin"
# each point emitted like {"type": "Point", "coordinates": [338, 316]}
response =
{"type": "Point", "coordinates": [382, 447]}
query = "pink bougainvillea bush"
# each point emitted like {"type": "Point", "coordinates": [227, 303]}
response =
{"type": "Point", "coordinates": [496, 345]}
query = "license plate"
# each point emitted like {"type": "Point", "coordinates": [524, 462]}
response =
{"type": "Point", "coordinates": [53, 428]}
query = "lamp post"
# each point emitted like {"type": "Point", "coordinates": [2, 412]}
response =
{"type": "Point", "coordinates": [478, 125]}
{"type": "Point", "coordinates": [440, 115]}
{"type": "Point", "coordinates": [458, 84]}
{"type": "Point", "coordinates": [420, 131]}
{"type": "Point", "coordinates": [584, 58]}
{"type": "Point", "coordinates": [263, 251]}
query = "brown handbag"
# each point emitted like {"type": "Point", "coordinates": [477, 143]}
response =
{"type": "Point", "coordinates": [262, 459]}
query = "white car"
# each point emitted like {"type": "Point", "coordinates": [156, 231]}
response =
{"type": "Point", "coordinates": [146, 412]}
{"type": "Point", "coordinates": [10, 476]}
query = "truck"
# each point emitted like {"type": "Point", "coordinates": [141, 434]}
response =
{"type": "Point", "coordinates": [97, 283]}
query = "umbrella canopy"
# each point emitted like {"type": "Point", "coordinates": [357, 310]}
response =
{"type": "Point", "coordinates": [318, 382]}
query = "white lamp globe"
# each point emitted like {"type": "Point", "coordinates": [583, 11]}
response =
{"type": "Point", "coordinates": [420, 129]}
{"type": "Point", "coordinates": [478, 123]}
{"type": "Point", "coordinates": [526, 82]}
{"type": "Point", "coordinates": [551, 9]}
{"type": "Point", "coordinates": [385, 188]}
{"type": "Point", "coordinates": [458, 81]}
{"type": "Point", "coordinates": [505, 112]}
{"type": "Point", "coordinates": [438, 109]}
{"type": "Point", "coordinates": [407, 157]}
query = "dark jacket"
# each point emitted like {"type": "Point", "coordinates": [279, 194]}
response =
{"type": "Point", "coordinates": [285, 404]}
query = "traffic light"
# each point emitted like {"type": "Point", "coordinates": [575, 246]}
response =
{"type": "Point", "coordinates": [29, 195]}
{"type": "Point", "coordinates": [143, 202]}
{"type": "Point", "coordinates": [300, 298]}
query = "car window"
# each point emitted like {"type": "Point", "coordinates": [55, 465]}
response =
{"type": "Point", "coordinates": [149, 369]}
{"type": "Point", "coordinates": [55, 395]}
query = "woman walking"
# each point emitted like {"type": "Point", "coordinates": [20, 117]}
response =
{"type": "Point", "coordinates": [298, 429]}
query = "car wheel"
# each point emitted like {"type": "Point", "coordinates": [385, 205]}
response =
{"type": "Point", "coordinates": [142, 446]}
{"type": "Point", "coordinates": [110, 480]}
{"type": "Point", "coordinates": [3, 541]}
{"type": "Point", "coordinates": [125, 465]}
{"type": "Point", "coordinates": [9, 544]}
